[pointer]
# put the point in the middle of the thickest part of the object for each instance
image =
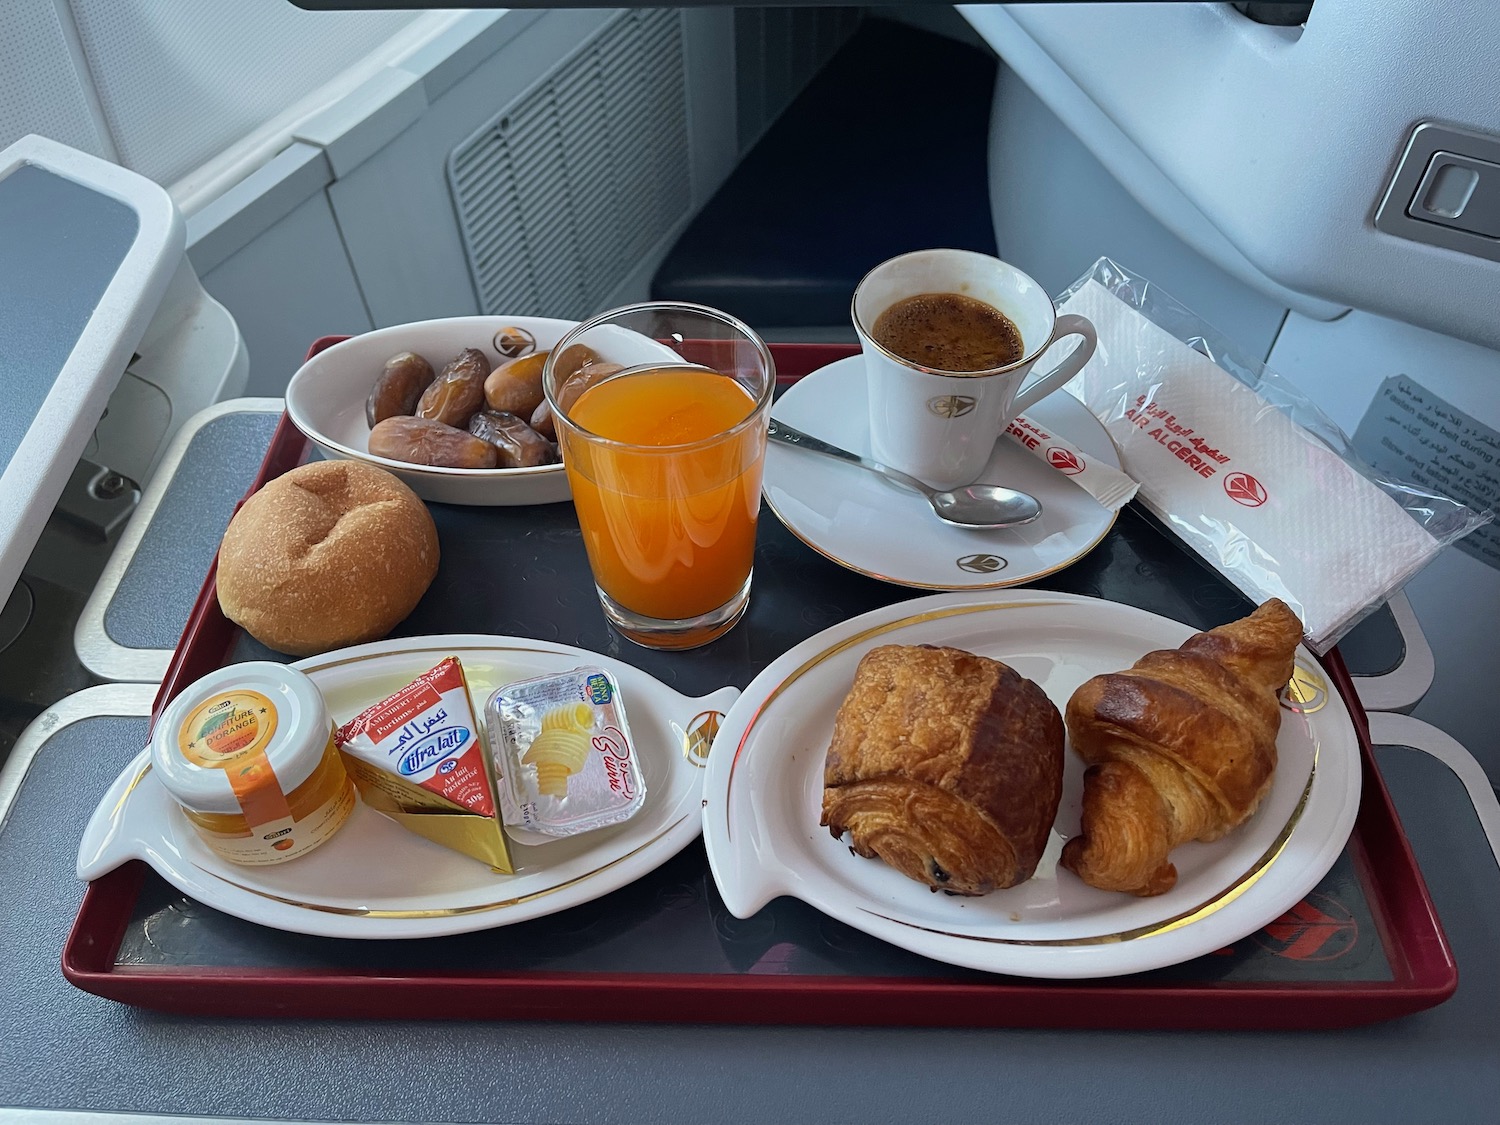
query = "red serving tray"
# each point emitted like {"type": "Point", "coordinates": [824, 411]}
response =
{"type": "Point", "coordinates": [1423, 969]}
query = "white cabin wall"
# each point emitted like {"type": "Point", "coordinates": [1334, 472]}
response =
{"type": "Point", "coordinates": [190, 94]}
{"type": "Point", "coordinates": [309, 150]}
{"type": "Point", "coordinates": [400, 255]}
{"type": "Point", "coordinates": [395, 210]}
{"type": "Point", "coordinates": [43, 86]}
{"type": "Point", "coordinates": [180, 83]}
{"type": "Point", "coordinates": [1057, 209]}
{"type": "Point", "coordinates": [285, 288]}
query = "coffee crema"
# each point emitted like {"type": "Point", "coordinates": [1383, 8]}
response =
{"type": "Point", "coordinates": [949, 332]}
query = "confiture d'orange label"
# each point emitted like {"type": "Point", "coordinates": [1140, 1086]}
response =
{"type": "Point", "coordinates": [248, 753]}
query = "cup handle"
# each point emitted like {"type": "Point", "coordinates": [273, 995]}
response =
{"type": "Point", "coordinates": [1067, 325]}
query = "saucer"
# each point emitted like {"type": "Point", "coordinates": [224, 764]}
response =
{"type": "Point", "coordinates": [869, 525]}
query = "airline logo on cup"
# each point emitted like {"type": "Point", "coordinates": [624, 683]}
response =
{"type": "Point", "coordinates": [951, 406]}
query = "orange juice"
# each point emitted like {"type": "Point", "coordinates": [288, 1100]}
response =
{"type": "Point", "coordinates": [668, 502]}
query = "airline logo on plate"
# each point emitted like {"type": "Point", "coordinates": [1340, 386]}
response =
{"type": "Point", "coordinates": [982, 564]}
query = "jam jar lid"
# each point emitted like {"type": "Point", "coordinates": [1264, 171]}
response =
{"type": "Point", "coordinates": [213, 743]}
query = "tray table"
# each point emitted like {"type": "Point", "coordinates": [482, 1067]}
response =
{"type": "Point", "coordinates": [1365, 946]}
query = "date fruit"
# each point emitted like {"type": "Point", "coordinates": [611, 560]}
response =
{"type": "Point", "coordinates": [574, 357]}
{"type": "Point", "coordinates": [426, 441]}
{"type": "Point", "coordinates": [399, 387]}
{"type": "Point", "coordinates": [575, 384]}
{"type": "Point", "coordinates": [458, 390]}
{"type": "Point", "coordinates": [516, 387]}
{"type": "Point", "coordinates": [518, 445]}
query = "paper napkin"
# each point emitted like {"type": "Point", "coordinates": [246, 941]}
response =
{"type": "Point", "coordinates": [1266, 503]}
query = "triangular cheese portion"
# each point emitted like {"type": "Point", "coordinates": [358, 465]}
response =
{"type": "Point", "coordinates": [417, 757]}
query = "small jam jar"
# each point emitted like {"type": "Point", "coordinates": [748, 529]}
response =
{"type": "Point", "coordinates": [248, 753]}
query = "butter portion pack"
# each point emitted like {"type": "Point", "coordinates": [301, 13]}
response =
{"type": "Point", "coordinates": [563, 750]}
{"type": "Point", "coordinates": [417, 757]}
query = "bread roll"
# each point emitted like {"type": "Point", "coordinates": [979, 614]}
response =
{"type": "Point", "coordinates": [331, 554]}
{"type": "Point", "coordinates": [946, 765]}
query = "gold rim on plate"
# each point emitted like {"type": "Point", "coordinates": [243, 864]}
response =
{"type": "Point", "coordinates": [428, 912]}
{"type": "Point", "coordinates": [1233, 891]}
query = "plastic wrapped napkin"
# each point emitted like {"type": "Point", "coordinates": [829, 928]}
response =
{"type": "Point", "coordinates": [1244, 468]}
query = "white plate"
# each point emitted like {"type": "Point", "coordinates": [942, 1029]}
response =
{"type": "Point", "coordinates": [763, 793]}
{"type": "Point", "coordinates": [866, 524]}
{"type": "Point", "coordinates": [375, 879]}
{"type": "Point", "coordinates": [326, 401]}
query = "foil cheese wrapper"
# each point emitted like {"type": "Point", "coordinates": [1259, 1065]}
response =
{"type": "Point", "coordinates": [417, 758]}
{"type": "Point", "coordinates": [563, 753]}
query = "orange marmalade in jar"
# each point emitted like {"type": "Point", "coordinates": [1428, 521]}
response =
{"type": "Point", "coordinates": [248, 754]}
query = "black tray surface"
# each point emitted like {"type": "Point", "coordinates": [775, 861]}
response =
{"type": "Point", "coordinates": [523, 572]}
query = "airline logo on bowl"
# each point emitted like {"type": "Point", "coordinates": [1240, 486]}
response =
{"type": "Point", "coordinates": [431, 750]}
{"type": "Point", "coordinates": [1064, 461]}
{"type": "Point", "coordinates": [951, 406]}
{"type": "Point", "coordinates": [1244, 489]}
{"type": "Point", "coordinates": [511, 342]}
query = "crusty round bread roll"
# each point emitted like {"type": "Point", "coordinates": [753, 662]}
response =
{"type": "Point", "coordinates": [330, 554]}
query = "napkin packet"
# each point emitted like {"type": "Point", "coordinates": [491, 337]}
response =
{"type": "Point", "coordinates": [1244, 468]}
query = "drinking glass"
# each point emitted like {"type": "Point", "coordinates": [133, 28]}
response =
{"type": "Point", "coordinates": [661, 411]}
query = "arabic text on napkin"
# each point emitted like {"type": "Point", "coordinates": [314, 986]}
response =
{"type": "Point", "coordinates": [1261, 499]}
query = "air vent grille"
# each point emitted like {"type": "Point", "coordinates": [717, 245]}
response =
{"type": "Point", "coordinates": [563, 191]}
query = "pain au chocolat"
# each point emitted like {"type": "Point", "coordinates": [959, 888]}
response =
{"type": "Point", "coordinates": [946, 765]}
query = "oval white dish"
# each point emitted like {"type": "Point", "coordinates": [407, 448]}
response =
{"type": "Point", "coordinates": [374, 879]}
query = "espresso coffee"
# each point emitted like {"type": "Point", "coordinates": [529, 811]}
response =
{"type": "Point", "coordinates": [948, 332]}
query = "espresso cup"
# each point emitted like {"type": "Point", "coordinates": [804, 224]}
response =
{"type": "Point", "coordinates": [941, 426]}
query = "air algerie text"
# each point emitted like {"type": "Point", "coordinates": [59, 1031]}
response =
{"type": "Point", "coordinates": [1190, 448]}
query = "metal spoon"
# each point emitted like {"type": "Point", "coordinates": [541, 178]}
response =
{"type": "Point", "coordinates": [974, 505]}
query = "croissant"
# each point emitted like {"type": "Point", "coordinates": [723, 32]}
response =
{"type": "Point", "coordinates": [1181, 746]}
{"type": "Point", "coordinates": [946, 765]}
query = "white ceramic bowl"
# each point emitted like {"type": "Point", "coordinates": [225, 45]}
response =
{"type": "Point", "coordinates": [326, 401]}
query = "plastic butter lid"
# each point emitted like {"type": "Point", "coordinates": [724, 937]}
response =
{"type": "Point", "coordinates": [564, 754]}
{"type": "Point", "coordinates": [240, 731]}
